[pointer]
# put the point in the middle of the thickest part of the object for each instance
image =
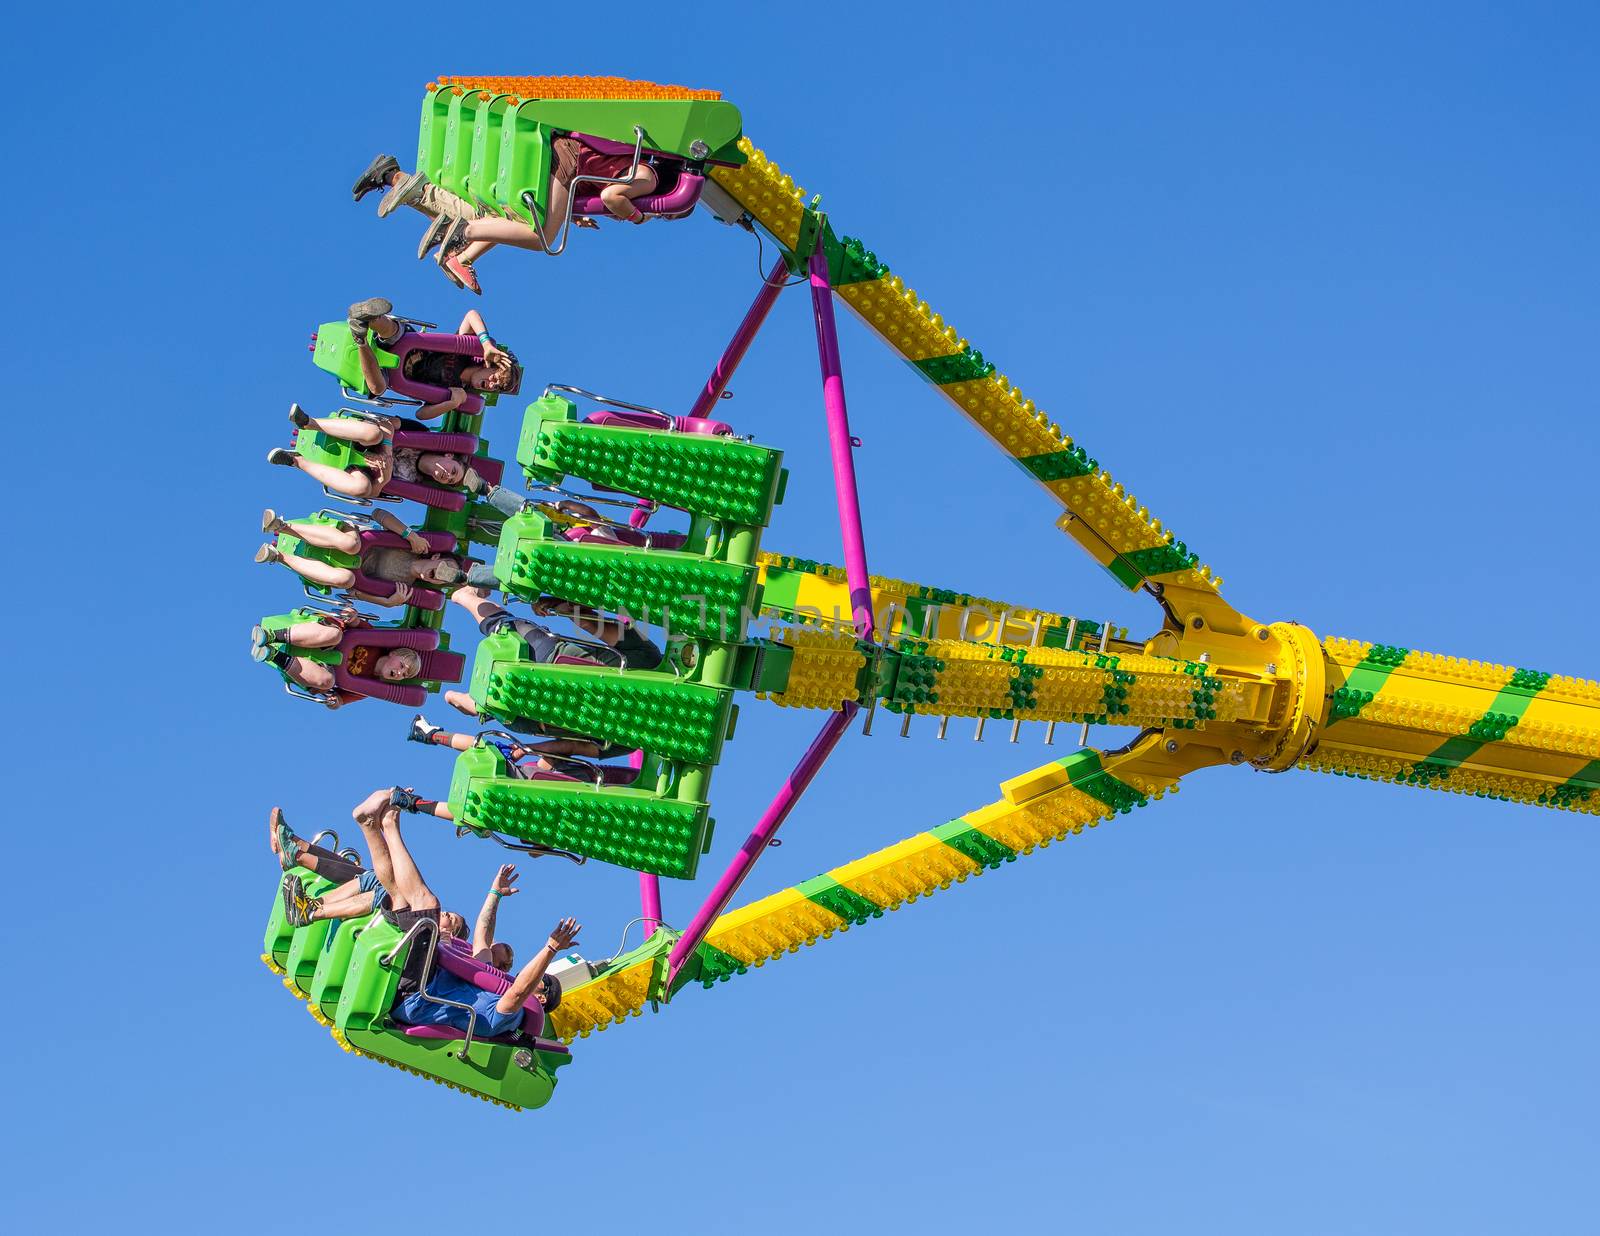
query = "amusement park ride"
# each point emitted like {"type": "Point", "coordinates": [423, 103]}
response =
{"type": "Point", "coordinates": [1210, 686]}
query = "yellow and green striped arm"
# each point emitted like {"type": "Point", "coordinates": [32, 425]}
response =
{"type": "Point", "coordinates": [1446, 723]}
{"type": "Point", "coordinates": [1110, 523]}
{"type": "Point", "coordinates": [1055, 801]}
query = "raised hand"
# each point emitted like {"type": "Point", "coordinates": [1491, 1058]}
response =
{"type": "Point", "coordinates": [505, 881]}
{"type": "Point", "coordinates": [565, 934]}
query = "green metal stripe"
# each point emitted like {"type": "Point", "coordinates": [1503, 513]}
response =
{"type": "Point", "coordinates": [780, 588]}
{"type": "Point", "coordinates": [963, 366]}
{"type": "Point", "coordinates": [1366, 680]}
{"type": "Point", "coordinates": [1124, 572]}
{"type": "Point", "coordinates": [1059, 465]}
{"type": "Point", "coordinates": [1577, 788]}
{"type": "Point", "coordinates": [848, 904]}
{"type": "Point", "coordinates": [1504, 711]}
{"type": "Point", "coordinates": [978, 846]}
{"type": "Point", "coordinates": [1088, 776]}
{"type": "Point", "coordinates": [1161, 559]}
{"type": "Point", "coordinates": [717, 966]}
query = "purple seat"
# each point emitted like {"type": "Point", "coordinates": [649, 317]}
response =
{"type": "Point", "coordinates": [436, 666]}
{"type": "Point", "coordinates": [677, 189]}
{"type": "Point", "coordinates": [432, 341]}
{"type": "Point", "coordinates": [422, 595]}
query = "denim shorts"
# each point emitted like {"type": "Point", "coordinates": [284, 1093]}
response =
{"type": "Point", "coordinates": [367, 882]}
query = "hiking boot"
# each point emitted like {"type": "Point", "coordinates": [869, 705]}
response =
{"type": "Point", "coordinates": [423, 732]}
{"type": "Point", "coordinates": [376, 176]}
{"type": "Point", "coordinates": [404, 192]}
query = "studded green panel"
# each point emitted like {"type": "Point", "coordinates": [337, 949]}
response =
{"type": "Point", "coordinates": [719, 477]}
{"type": "Point", "coordinates": [671, 718]}
{"type": "Point", "coordinates": [688, 594]}
{"type": "Point", "coordinates": [627, 827]}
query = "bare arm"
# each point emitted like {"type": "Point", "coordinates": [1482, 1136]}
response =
{"type": "Point", "coordinates": [505, 885]}
{"type": "Point", "coordinates": [428, 411]}
{"type": "Point", "coordinates": [400, 596]}
{"type": "Point", "coordinates": [564, 936]}
{"type": "Point", "coordinates": [472, 324]}
{"type": "Point", "coordinates": [389, 522]}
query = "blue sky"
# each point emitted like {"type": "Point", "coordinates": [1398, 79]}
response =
{"type": "Point", "coordinates": [1319, 286]}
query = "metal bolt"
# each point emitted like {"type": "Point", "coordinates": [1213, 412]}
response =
{"type": "Point", "coordinates": [1236, 758]}
{"type": "Point", "coordinates": [1172, 744]}
{"type": "Point", "coordinates": [1272, 667]}
{"type": "Point", "coordinates": [1263, 633]}
{"type": "Point", "coordinates": [1197, 623]}
{"type": "Point", "coordinates": [1205, 658]}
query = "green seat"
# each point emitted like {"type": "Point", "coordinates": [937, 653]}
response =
{"type": "Point", "coordinates": [333, 963]}
{"type": "Point", "coordinates": [336, 353]}
{"type": "Point", "coordinates": [483, 174]}
{"type": "Point", "coordinates": [456, 158]}
{"type": "Point", "coordinates": [280, 937]}
{"type": "Point", "coordinates": [517, 1075]}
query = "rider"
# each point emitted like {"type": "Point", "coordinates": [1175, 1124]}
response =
{"type": "Point", "coordinates": [446, 372]}
{"type": "Point", "coordinates": [416, 563]}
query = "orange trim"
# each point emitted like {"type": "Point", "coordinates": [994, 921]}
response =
{"type": "Point", "coordinates": [574, 88]}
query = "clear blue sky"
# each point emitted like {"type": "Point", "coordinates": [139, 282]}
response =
{"type": "Point", "coordinates": [1320, 286]}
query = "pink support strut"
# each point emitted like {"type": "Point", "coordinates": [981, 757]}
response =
{"type": "Point", "coordinates": [855, 559]}
{"type": "Point", "coordinates": [650, 902]}
{"type": "Point", "coordinates": [844, 464]}
{"type": "Point", "coordinates": [771, 285]}
{"type": "Point", "coordinates": [766, 828]}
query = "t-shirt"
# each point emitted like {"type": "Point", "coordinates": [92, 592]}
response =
{"type": "Point", "coordinates": [361, 660]}
{"type": "Point", "coordinates": [437, 368]}
{"type": "Point", "coordinates": [388, 563]}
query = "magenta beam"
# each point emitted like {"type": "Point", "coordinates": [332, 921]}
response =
{"type": "Point", "coordinates": [771, 285]}
{"type": "Point", "coordinates": [766, 828]}
{"type": "Point", "coordinates": [844, 464]}
{"type": "Point", "coordinates": [650, 902]}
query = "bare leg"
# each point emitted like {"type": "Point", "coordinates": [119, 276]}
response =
{"type": "Point", "coordinates": [476, 603]}
{"type": "Point", "coordinates": [328, 536]}
{"type": "Point", "coordinates": [462, 702]}
{"type": "Point", "coordinates": [313, 635]}
{"type": "Point", "coordinates": [368, 813]}
{"type": "Point", "coordinates": [409, 883]}
{"type": "Point", "coordinates": [312, 675]}
{"type": "Point", "coordinates": [352, 484]}
{"type": "Point", "coordinates": [371, 371]}
{"type": "Point", "coordinates": [618, 199]}
{"type": "Point", "coordinates": [503, 232]}
{"type": "Point", "coordinates": [318, 572]}
{"type": "Point", "coordinates": [350, 429]}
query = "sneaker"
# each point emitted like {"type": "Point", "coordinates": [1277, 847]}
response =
{"type": "Point", "coordinates": [434, 235]}
{"type": "Point", "coordinates": [403, 192]}
{"type": "Point", "coordinates": [376, 176]}
{"type": "Point", "coordinates": [460, 272]}
{"type": "Point", "coordinates": [284, 836]}
{"type": "Point", "coordinates": [422, 732]}
{"type": "Point", "coordinates": [269, 553]}
{"type": "Point", "coordinates": [361, 314]}
{"type": "Point", "coordinates": [454, 239]}
{"type": "Point", "coordinates": [297, 905]}
{"type": "Point", "coordinates": [281, 456]}
{"type": "Point", "coordinates": [481, 575]}
{"type": "Point", "coordinates": [404, 799]}
{"type": "Point", "coordinates": [299, 416]}
{"type": "Point", "coordinates": [261, 653]}
{"type": "Point", "coordinates": [272, 522]}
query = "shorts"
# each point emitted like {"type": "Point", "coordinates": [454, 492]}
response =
{"type": "Point", "coordinates": [417, 1010]}
{"type": "Point", "coordinates": [368, 882]}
